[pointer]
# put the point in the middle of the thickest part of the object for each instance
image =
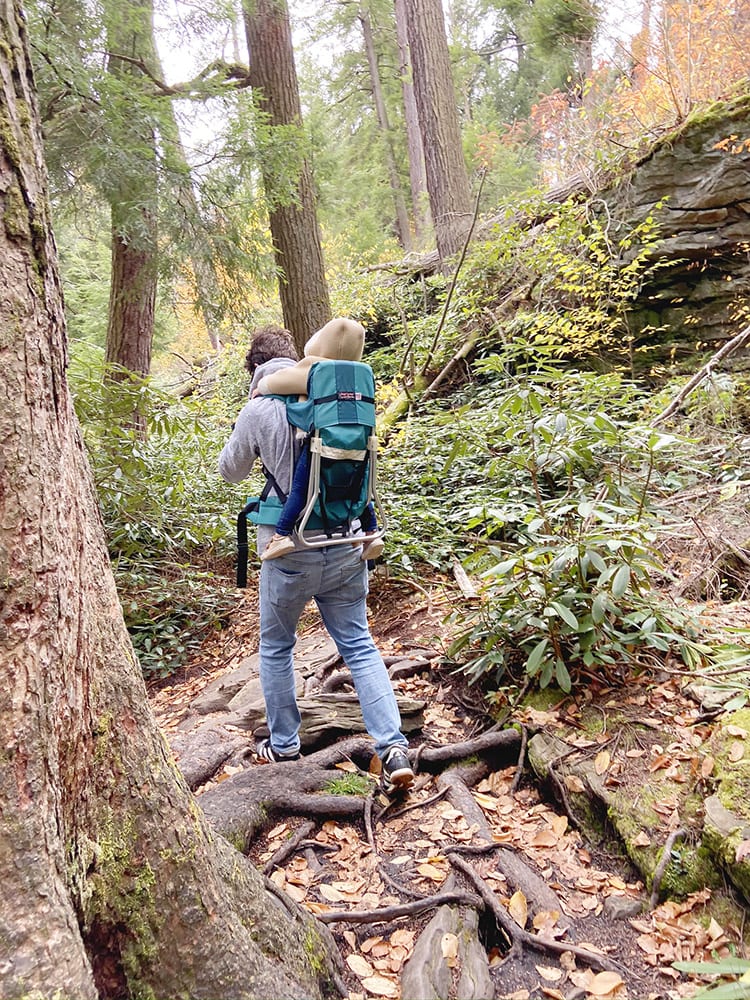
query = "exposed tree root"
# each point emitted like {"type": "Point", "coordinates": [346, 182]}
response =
{"type": "Point", "coordinates": [385, 913]}
{"type": "Point", "coordinates": [663, 862]}
{"type": "Point", "coordinates": [521, 938]}
{"type": "Point", "coordinates": [240, 806]}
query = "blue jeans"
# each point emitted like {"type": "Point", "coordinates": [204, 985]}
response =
{"type": "Point", "coordinates": [336, 578]}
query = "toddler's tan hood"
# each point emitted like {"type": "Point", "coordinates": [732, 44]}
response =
{"type": "Point", "coordinates": [339, 340]}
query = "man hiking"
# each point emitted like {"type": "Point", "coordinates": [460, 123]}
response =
{"type": "Point", "coordinates": [334, 576]}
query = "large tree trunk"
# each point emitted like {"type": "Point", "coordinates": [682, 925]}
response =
{"type": "Point", "coordinates": [133, 197]}
{"type": "Point", "coordinates": [447, 179]}
{"type": "Point", "coordinates": [294, 224]}
{"type": "Point", "coordinates": [402, 220]}
{"type": "Point", "coordinates": [132, 300]}
{"type": "Point", "coordinates": [113, 884]}
{"type": "Point", "coordinates": [417, 176]}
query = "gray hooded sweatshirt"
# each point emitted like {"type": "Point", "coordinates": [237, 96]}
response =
{"type": "Point", "coordinates": [261, 432]}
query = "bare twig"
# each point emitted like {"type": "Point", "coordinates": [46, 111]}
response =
{"type": "Point", "coordinates": [521, 761]}
{"type": "Point", "coordinates": [663, 862]}
{"type": "Point", "coordinates": [449, 296]}
{"type": "Point", "coordinates": [702, 373]}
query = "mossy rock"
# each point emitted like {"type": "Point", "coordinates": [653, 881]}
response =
{"type": "Point", "coordinates": [727, 812]}
{"type": "Point", "coordinates": [723, 833]}
{"type": "Point", "coordinates": [634, 819]}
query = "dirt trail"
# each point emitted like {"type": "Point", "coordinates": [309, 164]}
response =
{"type": "Point", "coordinates": [410, 851]}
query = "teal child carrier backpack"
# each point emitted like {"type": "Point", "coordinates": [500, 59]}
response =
{"type": "Point", "coordinates": [338, 419]}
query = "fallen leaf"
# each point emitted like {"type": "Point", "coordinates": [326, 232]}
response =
{"type": "Point", "coordinates": [359, 966]}
{"type": "Point", "coordinates": [737, 731]}
{"type": "Point", "coordinates": [604, 983]}
{"type": "Point", "coordinates": [518, 908]}
{"type": "Point", "coordinates": [642, 839]}
{"type": "Point", "coordinates": [403, 937]}
{"type": "Point", "coordinates": [544, 921]}
{"type": "Point", "coordinates": [380, 986]}
{"type": "Point", "coordinates": [347, 765]}
{"type": "Point", "coordinates": [297, 892]}
{"type": "Point", "coordinates": [574, 784]}
{"type": "Point", "coordinates": [331, 893]}
{"type": "Point", "coordinates": [602, 761]}
{"type": "Point", "coordinates": [663, 760]}
{"type": "Point", "coordinates": [486, 801]}
{"type": "Point", "coordinates": [581, 979]}
{"type": "Point", "coordinates": [559, 824]}
{"type": "Point", "coordinates": [552, 975]}
{"type": "Point", "coordinates": [736, 751]}
{"type": "Point", "coordinates": [707, 766]}
{"type": "Point", "coordinates": [544, 838]}
{"type": "Point", "coordinates": [431, 872]}
{"type": "Point", "coordinates": [449, 950]}
{"type": "Point", "coordinates": [715, 930]}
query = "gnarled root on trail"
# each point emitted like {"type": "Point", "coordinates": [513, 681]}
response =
{"type": "Point", "coordinates": [241, 805]}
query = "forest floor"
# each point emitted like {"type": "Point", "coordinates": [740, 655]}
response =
{"type": "Point", "coordinates": [603, 902]}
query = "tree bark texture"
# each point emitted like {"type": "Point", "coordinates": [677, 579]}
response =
{"type": "Point", "coordinates": [133, 198]}
{"type": "Point", "coordinates": [113, 883]}
{"type": "Point", "coordinates": [447, 179]}
{"type": "Point", "coordinates": [417, 177]}
{"type": "Point", "coordinates": [293, 220]}
{"type": "Point", "coordinates": [402, 220]}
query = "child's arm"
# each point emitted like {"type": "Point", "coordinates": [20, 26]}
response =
{"type": "Point", "coordinates": [291, 381]}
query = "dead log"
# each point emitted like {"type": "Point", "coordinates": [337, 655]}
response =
{"type": "Point", "coordinates": [328, 716]}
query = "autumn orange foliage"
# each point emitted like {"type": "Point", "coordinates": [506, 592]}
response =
{"type": "Point", "coordinates": [686, 54]}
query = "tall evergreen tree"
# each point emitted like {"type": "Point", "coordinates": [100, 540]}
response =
{"type": "Point", "coordinates": [417, 174]}
{"type": "Point", "coordinates": [381, 112]}
{"type": "Point", "coordinates": [292, 211]}
{"type": "Point", "coordinates": [447, 178]}
{"type": "Point", "coordinates": [132, 192]}
{"type": "Point", "coordinates": [113, 884]}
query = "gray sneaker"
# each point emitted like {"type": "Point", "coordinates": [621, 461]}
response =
{"type": "Point", "coordinates": [397, 773]}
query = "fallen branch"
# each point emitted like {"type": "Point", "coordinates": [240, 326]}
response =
{"type": "Point", "coordinates": [729, 348]}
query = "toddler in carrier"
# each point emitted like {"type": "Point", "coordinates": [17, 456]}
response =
{"type": "Point", "coordinates": [339, 340]}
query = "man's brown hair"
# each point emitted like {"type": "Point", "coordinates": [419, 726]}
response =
{"type": "Point", "coordinates": [268, 342]}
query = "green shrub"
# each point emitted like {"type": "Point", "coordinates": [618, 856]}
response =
{"type": "Point", "coordinates": [738, 989]}
{"type": "Point", "coordinates": [167, 514]}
